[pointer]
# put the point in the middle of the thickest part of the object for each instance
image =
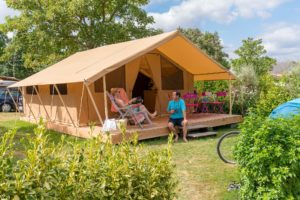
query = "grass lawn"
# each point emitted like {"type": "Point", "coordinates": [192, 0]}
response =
{"type": "Point", "coordinates": [201, 174]}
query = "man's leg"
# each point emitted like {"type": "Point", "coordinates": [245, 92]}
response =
{"type": "Point", "coordinates": [184, 129]}
{"type": "Point", "coordinates": [172, 129]}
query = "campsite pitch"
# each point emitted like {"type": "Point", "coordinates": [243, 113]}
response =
{"type": "Point", "coordinates": [201, 174]}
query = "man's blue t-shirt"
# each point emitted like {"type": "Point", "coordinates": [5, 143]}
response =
{"type": "Point", "coordinates": [178, 106]}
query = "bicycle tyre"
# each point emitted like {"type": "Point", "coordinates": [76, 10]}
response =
{"type": "Point", "coordinates": [220, 143]}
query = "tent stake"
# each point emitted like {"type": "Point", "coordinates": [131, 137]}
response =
{"type": "Point", "coordinates": [105, 97]}
{"type": "Point", "coordinates": [94, 103]}
{"type": "Point", "coordinates": [37, 92]}
{"type": "Point", "coordinates": [61, 99]}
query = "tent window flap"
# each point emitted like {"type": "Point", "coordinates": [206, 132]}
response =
{"type": "Point", "coordinates": [63, 89]}
{"type": "Point", "coordinates": [31, 90]}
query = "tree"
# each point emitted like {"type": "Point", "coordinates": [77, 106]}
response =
{"type": "Point", "coordinates": [13, 65]}
{"type": "Point", "coordinates": [48, 31]}
{"type": "Point", "coordinates": [209, 42]}
{"type": "Point", "coordinates": [253, 53]}
{"type": "Point", "coordinates": [3, 41]}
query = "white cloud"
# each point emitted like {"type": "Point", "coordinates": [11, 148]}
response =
{"type": "Point", "coordinates": [5, 11]}
{"type": "Point", "coordinates": [191, 12]}
{"type": "Point", "coordinates": [282, 41]}
{"type": "Point", "coordinates": [229, 49]}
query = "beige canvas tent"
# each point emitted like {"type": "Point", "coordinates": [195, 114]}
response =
{"type": "Point", "coordinates": [70, 92]}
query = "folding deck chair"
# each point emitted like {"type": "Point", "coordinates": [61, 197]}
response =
{"type": "Point", "coordinates": [129, 113]}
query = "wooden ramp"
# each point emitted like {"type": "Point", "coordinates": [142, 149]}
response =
{"type": "Point", "coordinates": [158, 129]}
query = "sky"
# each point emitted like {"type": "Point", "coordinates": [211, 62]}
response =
{"type": "Point", "coordinates": [276, 22]}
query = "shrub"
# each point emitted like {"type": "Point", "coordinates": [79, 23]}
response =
{"type": "Point", "coordinates": [268, 154]}
{"type": "Point", "coordinates": [274, 94]}
{"type": "Point", "coordinates": [92, 169]}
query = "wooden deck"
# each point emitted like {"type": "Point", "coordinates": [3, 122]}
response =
{"type": "Point", "coordinates": [158, 129]}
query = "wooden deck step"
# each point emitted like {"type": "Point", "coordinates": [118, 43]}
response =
{"type": "Point", "coordinates": [196, 127]}
{"type": "Point", "coordinates": [202, 134]}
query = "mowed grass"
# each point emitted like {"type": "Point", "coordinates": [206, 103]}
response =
{"type": "Point", "coordinates": [199, 171]}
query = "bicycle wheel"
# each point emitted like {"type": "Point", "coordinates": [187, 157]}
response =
{"type": "Point", "coordinates": [225, 146]}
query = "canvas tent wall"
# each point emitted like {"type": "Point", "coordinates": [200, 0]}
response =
{"type": "Point", "coordinates": [83, 72]}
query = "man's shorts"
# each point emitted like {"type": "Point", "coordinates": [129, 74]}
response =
{"type": "Point", "coordinates": [176, 122]}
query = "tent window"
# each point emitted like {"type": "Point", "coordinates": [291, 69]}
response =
{"type": "Point", "coordinates": [63, 89]}
{"type": "Point", "coordinates": [30, 90]}
{"type": "Point", "coordinates": [171, 76]}
{"type": "Point", "coordinates": [114, 79]}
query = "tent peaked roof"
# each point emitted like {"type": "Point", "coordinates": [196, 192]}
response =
{"type": "Point", "coordinates": [92, 64]}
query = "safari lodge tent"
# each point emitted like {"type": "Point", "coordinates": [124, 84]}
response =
{"type": "Point", "coordinates": [69, 94]}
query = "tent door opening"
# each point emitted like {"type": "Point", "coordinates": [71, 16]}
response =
{"type": "Point", "coordinates": [144, 87]}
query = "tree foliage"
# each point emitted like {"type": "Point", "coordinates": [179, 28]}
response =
{"type": "Point", "coordinates": [253, 53]}
{"type": "Point", "coordinates": [209, 42]}
{"type": "Point", "coordinates": [13, 65]}
{"type": "Point", "coordinates": [3, 41]}
{"type": "Point", "coordinates": [245, 89]}
{"type": "Point", "coordinates": [47, 31]}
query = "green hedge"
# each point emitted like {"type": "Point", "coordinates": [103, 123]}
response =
{"type": "Point", "coordinates": [92, 169]}
{"type": "Point", "coordinates": [268, 154]}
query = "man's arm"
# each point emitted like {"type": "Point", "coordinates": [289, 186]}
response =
{"type": "Point", "coordinates": [184, 114]}
{"type": "Point", "coordinates": [183, 109]}
{"type": "Point", "coordinates": [169, 109]}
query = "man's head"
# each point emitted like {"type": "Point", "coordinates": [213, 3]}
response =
{"type": "Point", "coordinates": [176, 95]}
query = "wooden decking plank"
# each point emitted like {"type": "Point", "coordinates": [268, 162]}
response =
{"type": "Point", "coordinates": [159, 128]}
{"type": "Point", "coordinates": [196, 127]}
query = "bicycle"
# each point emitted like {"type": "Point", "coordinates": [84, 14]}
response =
{"type": "Point", "coordinates": [225, 146]}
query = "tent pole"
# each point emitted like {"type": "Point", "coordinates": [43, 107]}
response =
{"type": "Point", "coordinates": [61, 99]}
{"type": "Point", "coordinates": [29, 105]}
{"type": "Point", "coordinates": [52, 101]}
{"type": "Point", "coordinates": [16, 105]}
{"type": "Point", "coordinates": [94, 103]}
{"type": "Point", "coordinates": [80, 107]}
{"type": "Point", "coordinates": [105, 97]}
{"type": "Point", "coordinates": [230, 100]}
{"type": "Point", "coordinates": [37, 92]}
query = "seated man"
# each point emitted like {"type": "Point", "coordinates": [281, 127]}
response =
{"type": "Point", "coordinates": [121, 103]}
{"type": "Point", "coordinates": [177, 111]}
